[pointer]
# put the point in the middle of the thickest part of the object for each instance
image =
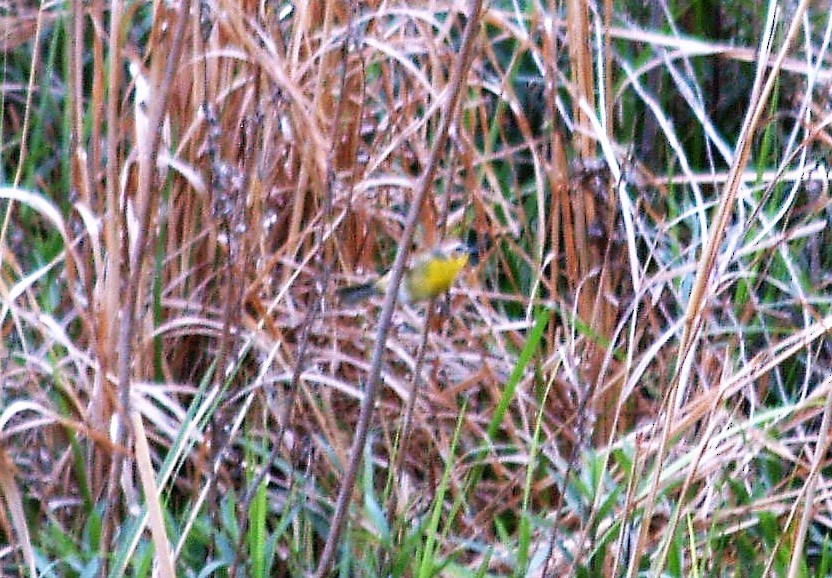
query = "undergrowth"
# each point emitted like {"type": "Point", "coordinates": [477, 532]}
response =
{"type": "Point", "coordinates": [631, 380]}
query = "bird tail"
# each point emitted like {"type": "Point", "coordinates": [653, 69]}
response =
{"type": "Point", "coordinates": [355, 293]}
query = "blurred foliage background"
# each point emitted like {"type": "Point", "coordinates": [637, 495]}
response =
{"type": "Point", "coordinates": [633, 378]}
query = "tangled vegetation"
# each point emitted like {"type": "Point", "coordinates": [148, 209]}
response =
{"type": "Point", "coordinates": [633, 378]}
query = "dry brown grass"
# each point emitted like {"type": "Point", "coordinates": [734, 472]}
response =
{"type": "Point", "coordinates": [256, 157]}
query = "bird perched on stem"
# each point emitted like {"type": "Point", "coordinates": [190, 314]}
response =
{"type": "Point", "coordinates": [429, 275]}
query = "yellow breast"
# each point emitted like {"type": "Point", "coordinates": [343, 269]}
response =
{"type": "Point", "coordinates": [433, 276]}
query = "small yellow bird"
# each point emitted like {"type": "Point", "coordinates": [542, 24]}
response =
{"type": "Point", "coordinates": [431, 274]}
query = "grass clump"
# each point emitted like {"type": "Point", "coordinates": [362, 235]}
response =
{"type": "Point", "coordinates": [631, 380]}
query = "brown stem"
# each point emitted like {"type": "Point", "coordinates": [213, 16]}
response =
{"type": "Point", "coordinates": [425, 182]}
